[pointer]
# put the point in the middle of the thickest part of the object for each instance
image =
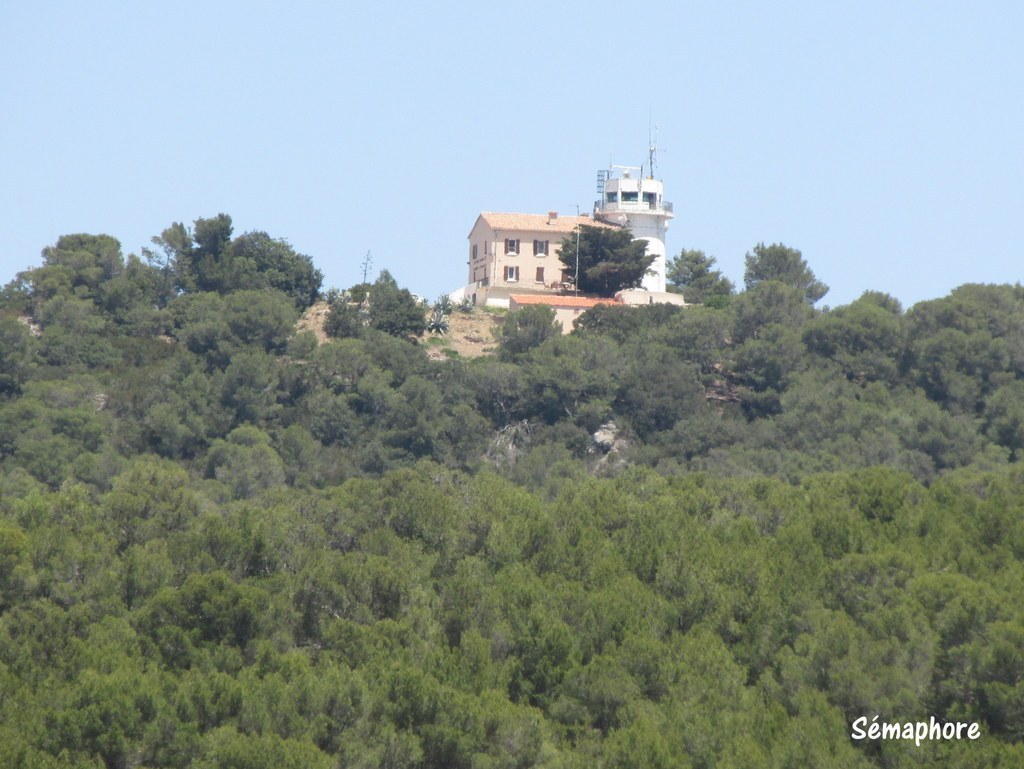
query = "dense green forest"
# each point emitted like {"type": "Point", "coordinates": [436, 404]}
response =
{"type": "Point", "coordinates": [698, 537]}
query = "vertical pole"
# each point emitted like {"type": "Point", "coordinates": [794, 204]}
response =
{"type": "Point", "coordinates": [367, 262]}
{"type": "Point", "coordinates": [576, 280]}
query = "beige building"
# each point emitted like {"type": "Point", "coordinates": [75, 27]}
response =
{"type": "Point", "coordinates": [520, 253]}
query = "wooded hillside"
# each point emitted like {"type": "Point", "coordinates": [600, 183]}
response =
{"type": "Point", "coordinates": [677, 537]}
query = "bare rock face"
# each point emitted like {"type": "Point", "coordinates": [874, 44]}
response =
{"type": "Point", "coordinates": [509, 443]}
{"type": "Point", "coordinates": [608, 440]}
{"type": "Point", "coordinates": [33, 327]}
{"type": "Point", "coordinates": [606, 436]}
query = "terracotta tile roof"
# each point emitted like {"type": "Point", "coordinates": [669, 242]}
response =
{"type": "Point", "coordinates": [555, 300]}
{"type": "Point", "coordinates": [563, 225]}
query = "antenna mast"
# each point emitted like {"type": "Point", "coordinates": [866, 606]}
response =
{"type": "Point", "coordinates": [651, 146]}
{"type": "Point", "coordinates": [367, 264]}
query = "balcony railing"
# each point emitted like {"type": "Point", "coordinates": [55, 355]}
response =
{"type": "Point", "coordinates": [632, 205]}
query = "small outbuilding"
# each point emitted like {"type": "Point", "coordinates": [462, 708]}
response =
{"type": "Point", "coordinates": [567, 308]}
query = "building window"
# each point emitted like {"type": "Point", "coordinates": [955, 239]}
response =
{"type": "Point", "coordinates": [486, 246]}
{"type": "Point", "coordinates": [540, 275]}
{"type": "Point", "coordinates": [630, 197]}
{"type": "Point", "coordinates": [612, 197]}
{"type": "Point", "coordinates": [474, 252]}
{"type": "Point", "coordinates": [511, 246]}
{"type": "Point", "coordinates": [540, 248]}
{"type": "Point", "coordinates": [511, 274]}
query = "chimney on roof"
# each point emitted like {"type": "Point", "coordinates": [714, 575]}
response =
{"type": "Point", "coordinates": [552, 215]}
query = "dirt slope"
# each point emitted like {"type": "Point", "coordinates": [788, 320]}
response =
{"type": "Point", "coordinates": [470, 335]}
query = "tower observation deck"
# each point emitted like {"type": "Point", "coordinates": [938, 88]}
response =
{"type": "Point", "coordinates": [636, 202]}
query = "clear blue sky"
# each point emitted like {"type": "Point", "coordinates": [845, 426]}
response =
{"type": "Point", "coordinates": [883, 139]}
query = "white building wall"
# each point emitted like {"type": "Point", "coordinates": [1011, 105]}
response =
{"type": "Point", "coordinates": [653, 231]}
{"type": "Point", "coordinates": [638, 203]}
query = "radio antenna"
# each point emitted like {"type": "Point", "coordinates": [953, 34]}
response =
{"type": "Point", "coordinates": [367, 263]}
{"type": "Point", "coordinates": [652, 145]}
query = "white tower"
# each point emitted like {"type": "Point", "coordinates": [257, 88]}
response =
{"type": "Point", "coordinates": [638, 203]}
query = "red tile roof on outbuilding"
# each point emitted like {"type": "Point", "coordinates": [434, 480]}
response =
{"type": "Point", "coordinates": [555, 300]}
